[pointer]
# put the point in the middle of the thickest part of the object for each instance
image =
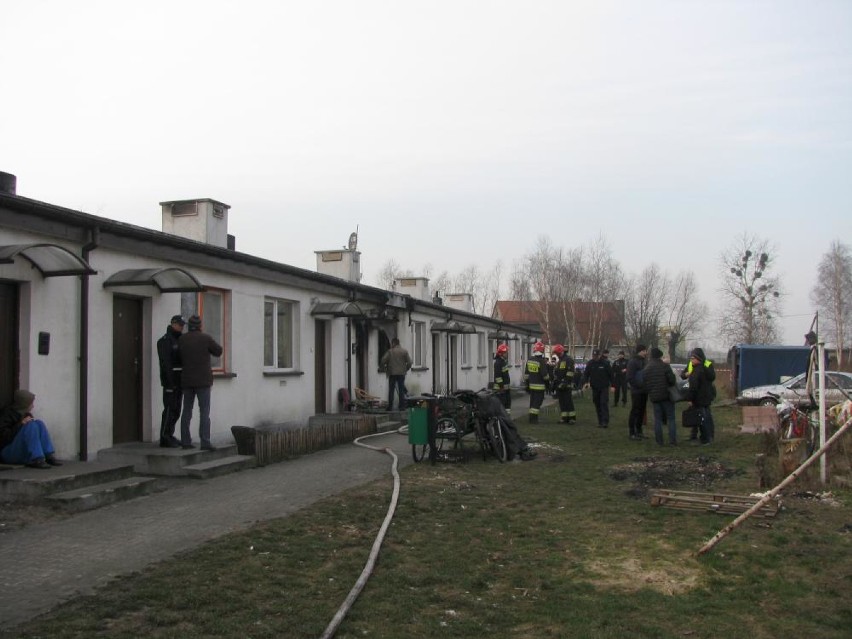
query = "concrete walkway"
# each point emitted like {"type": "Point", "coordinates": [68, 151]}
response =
{"type": "Point", "coordinates": [46, 564]}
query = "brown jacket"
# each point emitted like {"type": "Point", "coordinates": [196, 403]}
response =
{"type": "Point", "coordinates": [196, 347]}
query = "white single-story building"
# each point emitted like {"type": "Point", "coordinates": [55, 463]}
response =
{"type": "Point", "coordinates": [83, 300]}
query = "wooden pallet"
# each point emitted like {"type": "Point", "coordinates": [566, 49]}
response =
{"type": "Point", "coordinates": [713, 502]}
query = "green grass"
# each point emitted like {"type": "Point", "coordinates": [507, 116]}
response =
{"type": "Point", "coordinates": [557, 547]}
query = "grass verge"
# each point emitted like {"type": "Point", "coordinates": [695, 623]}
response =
{"type": "Point", "coordinates": [564, 546]}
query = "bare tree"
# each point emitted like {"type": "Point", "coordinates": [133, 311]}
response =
{"type": "Point", "coordinates": [832, 294]}
{"type": "Point", "coordinates": [603, 282]}
{"type": "Point", "coordinates": [567, 296]}
{"type": "Point", "coordinates": [535, 280]}
{"type": "Point", "coordinates": [645, 303]}
{"type": "Point", "coordinates": [751, 294]}
{"type": "Point", "coordinates": [686, 313]}
{"type": "Point", "coordinates": [388, 273]}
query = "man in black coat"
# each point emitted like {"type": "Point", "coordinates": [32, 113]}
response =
{"type": "Point", "coordinates": [638, 396]}
{"type": "Point", "coordinates": [658, 377]}
{"type": "Point", "coordinates": [599, 377]}
{"type": "Point", "coordinates": [168, 352]}
{"type": "Point", "coordinates": [619, 374]}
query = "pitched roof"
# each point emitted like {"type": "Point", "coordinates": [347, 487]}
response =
{"type": "Point", "coordinates": [530, 313]}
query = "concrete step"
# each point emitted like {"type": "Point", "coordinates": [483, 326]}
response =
{"type": "Point", "coordinates": [99, 495]}
{"type": "Point", "coordinates": [221, 466]}
{"type": "Point", "coordinates": [32, 484]}
{"type": "Point", "coordinates": [149, 459]}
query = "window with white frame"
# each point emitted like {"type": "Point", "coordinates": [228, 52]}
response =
{"type": "Point", "coordinates": [213, 306]}
{"type": "Point", "coordinates": [418, 344]}
{"type": "Point", "coordinates": [481, 349]}
{"type": "Point", "coordinates": [280, 332]}
{"type": "Point", "coordinates": [465, 349]}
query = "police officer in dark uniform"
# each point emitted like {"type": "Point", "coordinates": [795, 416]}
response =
{"type": "Point", "coordinates": [168, 353]}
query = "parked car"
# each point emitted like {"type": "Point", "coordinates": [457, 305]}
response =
{"type": "Point", "coordinates": [794, 391]}
{"type": "Point", "coordinates": [678, 370]}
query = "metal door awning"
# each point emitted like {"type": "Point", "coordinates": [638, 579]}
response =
{"type": "Point", "coordinates": [167, 280]}
{"type": "Point", "coordinates": [452, 327]}
{"type": "Point", "coordinates": [339, 309]}
{"type": "Point", "coordinates": [51, 260]}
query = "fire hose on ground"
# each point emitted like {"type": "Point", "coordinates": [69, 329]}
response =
{"type": "Point", "coordinates": [377, 544]}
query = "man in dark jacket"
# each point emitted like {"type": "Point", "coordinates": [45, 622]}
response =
{"type": "Point", "coordinates": [168, 353]}
{"type": "Point", "coordinates": [599, 377]}
{"type": "Point", "coordinates": [702, 392]}
{"type": "Point", "coordinates": [638, 397]}
{"type": "Point", "coordinates": [395, 363]}
{"type": "Point", "coordinates": [658, 377]}
{"type": "Point", "coordinates": [196, 348]}
{"type": "Point", "coordinates": [619, 374]}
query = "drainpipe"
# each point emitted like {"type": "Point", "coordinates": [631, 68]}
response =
{"type": "Point", "coordinates": [94, 237]}
{"type": "Point", "coordinates": [349, 357]}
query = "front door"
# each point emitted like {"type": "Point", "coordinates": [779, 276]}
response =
{"type": "Point", "coordinates": [320, 381]}
{"type": "Point", "coordinates": [452, 362]}
{"type": "Point", "coordinates": [9, 350]}
{"type": "Point", "coordinates": [126, 370]}
{"type": "Point", "coordinates": [437, 385]}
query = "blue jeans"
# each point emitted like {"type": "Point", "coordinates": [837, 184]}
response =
{"type": "Point", "coordinates": [707, 428]}
{"type": "Point", "coordinates": [32, 442]}
{"type": "Point", "coordinates": [666, 407]}
{"type": "Point", "coordinates": [189, 395]}
{"type": "Point", "coordinates": [398, 382]}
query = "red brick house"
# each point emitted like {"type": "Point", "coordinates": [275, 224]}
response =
{"type": "Point", "coordinates": [579, 326]}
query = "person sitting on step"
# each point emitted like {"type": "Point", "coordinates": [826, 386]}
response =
{"type": "Point", "coordinates": [24, 439]}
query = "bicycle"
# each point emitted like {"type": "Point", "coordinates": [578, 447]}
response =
{"type": "Point", "coordinates": [796, 423]}
{"type": "Point", "coordinates": [461, 414]}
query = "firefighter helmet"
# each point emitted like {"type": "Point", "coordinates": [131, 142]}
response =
{"type": "Point", "coordinates": [502, 349]}
{"type": "Point", "coordinates": [558, 349]}
{"type": "Point", "coordinates": [538, 347]}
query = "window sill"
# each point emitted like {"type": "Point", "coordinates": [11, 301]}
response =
{"type": "Point", "coordinates": [220, 375]}
{"type": "Point", "coordinates": [293, 373]}
{"type": "Point", "coordinates": [467, 368]}
{"type": "Point", "coordinates": [419, 369]}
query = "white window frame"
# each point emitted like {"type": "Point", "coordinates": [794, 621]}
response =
{"type": "Point", "coordinates": [272, 334]}
{"type": "Point", "coordinates": [465, 349]}
{"type": "Point", "coordinates": [481, 349]}
{"type": "Point", "coordinates": [418, 344]}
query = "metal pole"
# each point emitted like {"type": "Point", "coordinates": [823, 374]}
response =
{"type": "Point", "coordinates": [823, 462]}
{"type": "Point", "coordinates": [772, 493]}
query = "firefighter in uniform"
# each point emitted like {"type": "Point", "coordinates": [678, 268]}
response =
{"type": "Point", "coordinates": [536, 380]}
{"type": "Point", "coordinates": [501, 377]}
{"type": "Point", "coordinates": [564, 383]}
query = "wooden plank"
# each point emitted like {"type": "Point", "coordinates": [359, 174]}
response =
{"type": "Point", "coordinates": [710, 502]}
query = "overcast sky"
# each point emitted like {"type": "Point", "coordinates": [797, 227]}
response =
{"type": "Point", "coordinates": [450, 133]}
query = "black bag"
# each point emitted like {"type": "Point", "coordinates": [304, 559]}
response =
{"type": "Point", "coordinates": [691, 417]}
